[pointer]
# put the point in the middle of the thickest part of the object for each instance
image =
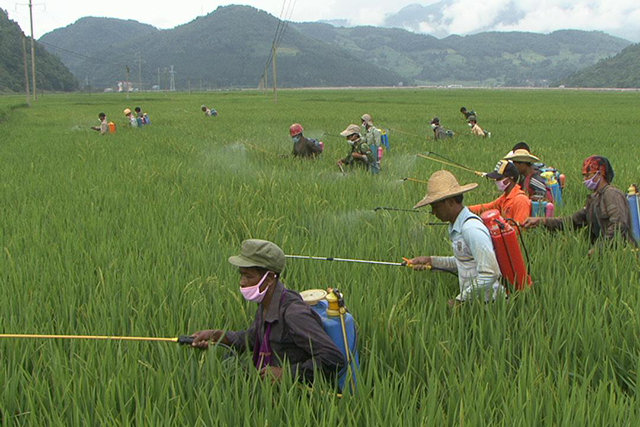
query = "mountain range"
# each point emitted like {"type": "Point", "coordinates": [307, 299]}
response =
{"type": "Point", "coordinates": [51, 74]}
{"type": "Point", "coordinates": [230, 47]}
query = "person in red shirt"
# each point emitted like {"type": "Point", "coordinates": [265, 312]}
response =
{"type": "Point", "coordinates": [513, 203]}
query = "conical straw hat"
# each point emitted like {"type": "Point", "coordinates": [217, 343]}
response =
{"type": "Point", "coordinates": [442, 185]}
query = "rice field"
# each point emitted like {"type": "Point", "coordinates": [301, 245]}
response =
{"type": "Point", "coordinates": [129, 235]}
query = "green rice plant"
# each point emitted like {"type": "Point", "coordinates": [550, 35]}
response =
{"type": "Point", "coordinates": [129, 234]}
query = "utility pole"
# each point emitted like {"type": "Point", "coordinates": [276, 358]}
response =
{"type": "Point", "coordinates": [172, 81]}
{"type": "Point", "coordinates": [275, 75]}
{"type": "Point", "coordinates": [126, 84]}
{"type": "Point", "coordinates": [139, 71]}
{"type": "Point", "coordinates": [33, 52]}
{"type": "Point", "coordinates": [26, 69]}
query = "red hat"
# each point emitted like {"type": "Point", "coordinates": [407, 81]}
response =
{"type": "Point", "coordinates": [598, 164]}
{"type": "Point", "coordinates": [295, 129]}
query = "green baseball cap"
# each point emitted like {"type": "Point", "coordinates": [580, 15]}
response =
{"type": "Point", "coordinates": [259, 253]}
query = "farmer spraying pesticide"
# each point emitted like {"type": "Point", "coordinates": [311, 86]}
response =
{"type": "Point", "coordinates": [360, 154]}
{"type": "Point", "coordinates": [373, 138]}
{"type": "Point", "coordinates": [474, 259]}
{"type": "Point", "coordinates": [303, 146]}
{"type": "Point", "coordinates": [606, 212]}
{"type": "Point", "coordinates": [513, 203]}
{"type": "Point", "coordinates": [284, 328]}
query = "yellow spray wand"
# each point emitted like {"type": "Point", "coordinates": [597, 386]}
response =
{"type": "Point", "coordinates": [182, 339]}
{"type": "Point", "coordinates": [449, 163]}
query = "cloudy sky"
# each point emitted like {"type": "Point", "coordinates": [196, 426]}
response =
{"type": "Point", "coordinates": [617, 17]}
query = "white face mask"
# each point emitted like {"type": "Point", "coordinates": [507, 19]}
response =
{"type": "Point", "coordinates": [470, 125]}
{"type": "Point", "coordinates": [433, 126]}
{"type": "Point", "coordinates": [295, 138]}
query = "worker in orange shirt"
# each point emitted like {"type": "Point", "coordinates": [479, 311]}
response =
{"type": "Point", "coordinates": [513, 203]}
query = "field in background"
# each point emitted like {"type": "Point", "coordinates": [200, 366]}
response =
{"type": "Point", "coordinates": [128, 234]}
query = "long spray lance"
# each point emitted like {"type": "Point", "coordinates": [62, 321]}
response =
{"type": "Point", "coordinates": [182, 339]}
{"type": "Point", "coordinates": [430, 154]}
{"type": "Point", "coordinates": [421, 181]}
{"type": "Point", "coordinates": [406, 262]}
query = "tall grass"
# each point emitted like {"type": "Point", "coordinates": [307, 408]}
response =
{"type": "Point", "coordinates": [128, 234]}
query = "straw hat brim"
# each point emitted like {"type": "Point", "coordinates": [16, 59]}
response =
{"type": "Point", "coordinates": [436, 197]}
{"type": "Point", "coordinates": [526, 158]}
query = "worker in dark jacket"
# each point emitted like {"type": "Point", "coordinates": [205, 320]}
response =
{"type": "Point", "coordinates": [438, 131]}
{"type": "Point", "coordinates": [607, 210]}
{"type": "Point", "coordinates": [285, 328]}
{"type": "Point", "coordinates": [303, 146]}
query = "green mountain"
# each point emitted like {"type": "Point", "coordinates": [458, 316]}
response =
{"type": "Point", "coordinates": [51, 74]}
{"type": "Point", "coordinates": [228, 47]}
{"type": "Point", "coordinates": [503, 58]}
{"type": "Point", "coordinates": [622, 70]}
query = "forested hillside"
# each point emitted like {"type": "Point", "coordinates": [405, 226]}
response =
{"type": "Point", "coordinates": [51, 73]}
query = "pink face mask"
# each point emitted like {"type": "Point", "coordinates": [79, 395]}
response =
{"type": "Point", "coordinates": [252, 293]}
{"type": "Point", "coordinates": [503, 184]}
{"type": "Point", "coordinates": [592, 183]}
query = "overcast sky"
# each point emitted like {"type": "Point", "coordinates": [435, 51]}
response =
{"type": "Point", "coordinates": [617, 17]}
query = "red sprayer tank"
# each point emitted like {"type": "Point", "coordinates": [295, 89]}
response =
{"type": "Point", "coordinates": [507, 249]}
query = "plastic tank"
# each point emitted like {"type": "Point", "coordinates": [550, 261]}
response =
{"type": "Point", "coordinates": [333, 327]}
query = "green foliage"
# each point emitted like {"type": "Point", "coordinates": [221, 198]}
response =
{"type": "Point", "coordinates": [619, 71]}
{"type": "Point", "coordinates": [51, 74]}
{"type": "Point", "coordinates": [129, 234]}
{"type": "Point", "coordinates": [510, 58]}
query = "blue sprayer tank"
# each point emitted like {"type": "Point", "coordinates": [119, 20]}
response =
{"type": "Point", "coordinates": [333, 327]}
{"type": "Point", "coordinates": [634, 207]}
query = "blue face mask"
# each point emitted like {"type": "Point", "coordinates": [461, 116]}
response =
{"type": "Point", "coordinates": [295, 138]}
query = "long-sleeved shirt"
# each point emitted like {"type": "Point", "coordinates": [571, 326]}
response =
{"type": "Point", "coordinates": [296, 335]}
{"type": "Point", "coordinates": [373, 138]}
{"type": "Point", "coordinates": [515, 205]}
{"type": "Point", "coordinates": [606, 213]}
{"type": "Point", "coordinates": [477, 130]}
{"type": "Point", "coordinates": [474, 258]}
{"type": "Point", "coordinates": [360, 147]}
{"type": "Point", "coordinates": [306, 147]}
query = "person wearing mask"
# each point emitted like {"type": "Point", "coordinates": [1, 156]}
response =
{"type": "Point", "coordinates": [606, 212]}
{"type": "Point", "coordinates": [373, 138]}
{"type": "Point", "coordinates": [476, 129]}
{"type": "Point", "coordinates": [303, 146]}
{"type": "Point", "coordinates": [438, 131]}
{"type": "Point", "coordinates": [285, 330]}
{"type": "Point", "coordinates": [513, 203]}
{"type": "Point", "coordinates": [360, 154]}
{"type": "Point", "coordinates": [474, 259]}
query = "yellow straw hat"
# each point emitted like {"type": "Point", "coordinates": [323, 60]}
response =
{"type": "Point", "coordinates": [442, 185]}
{"type": "Point", "coordinates": [521, 155]}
